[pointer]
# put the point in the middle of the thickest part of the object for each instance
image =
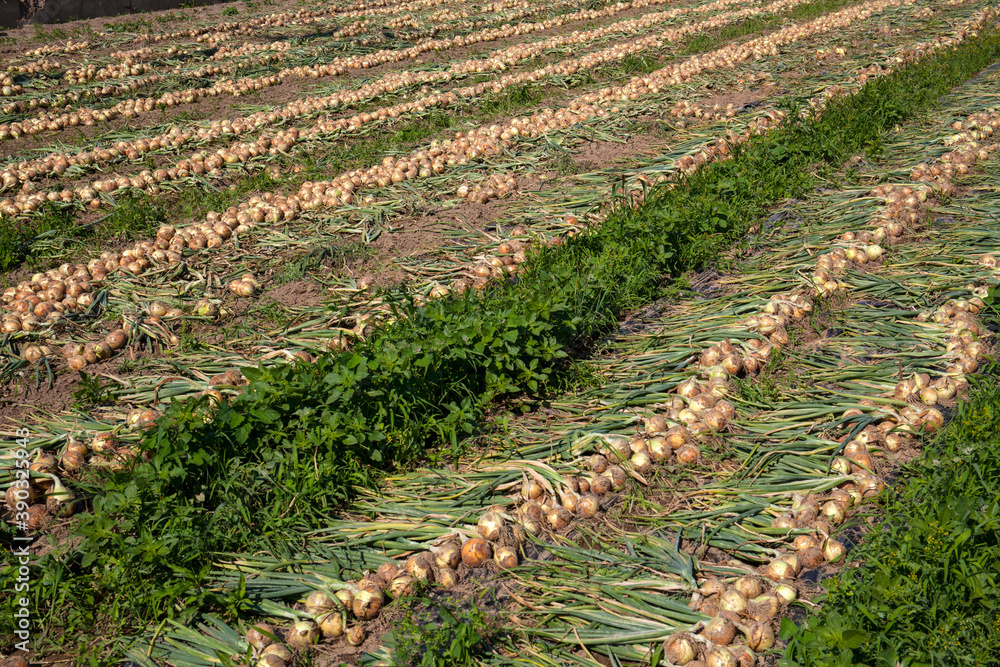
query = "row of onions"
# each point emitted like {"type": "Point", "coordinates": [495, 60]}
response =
{"type": "Point", "coordinates": [211, 165]}
{"type": "Point", "coordinates": [732, 614]}
{"type": "Point", "coordinates": [57, 164]}
{"type": "Point", "coordinates": [335, 67]}
{"type": "Point", "coordinates": [739, 606]}
{"type": "Point", "coordinates": [167, 240]}
{"type": "Point", "coordinates": [170, 244]}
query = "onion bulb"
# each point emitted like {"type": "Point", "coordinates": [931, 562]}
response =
{"type": "Point", "coordinates": [720, 656]}
{"type": "Point", "coordinates": [760, 636]}
{"type": "Point", "coordinates": [749, 586]}
{"type": "Point", "coordinates": [319, 603]}
{"type": "Point", "coordinates": [688, 454]}
{"type": "Point", "coordinates": [346, 598]}
{"type": "Point", "coordinates": [303, 635]}
{"type": "Point", "coordinates": [833, 550]}
{"type": "Point", "coordinates": [833, 512]}
{"type": "Point", "coordinates": [505, 557]}
{"type": "Point", "coordinates": [712, 586]}
{"type": "Point", "coordinates": [812, 558]}
{"type": "Point", "coordinates": [420, 566]}
{"type": "Point", "coordinates": [401, 586]}
{"type": "Point", "coordinates": [558, 518]}
{"type": "Point", "coordinates": [618, 476]}
{"type": "Point", "coordinates": [331, 624]}
{"type": "Point", "coordinates": [448, 555]}
{"type": "Point", "coordinates": [732, 600]}
{"type": "Point", "coordinates": [763, 607]}
{"type": "Point", "coordinates": [368, 602]}
{"type": "Point", "coordinates": [447, 577]}
{"type": "Point", "coordinates": [588, 506]}
{"type": "Point", "coordinates": [786, 593]}
{"type": "Point", "coordinates": [388, 570]}
{"type": "Point", "coordinates": [260, 636]}
{"type": "Point", "coordinates": [490, 526]}
{"type": "Point", "coordinates": [279, 651]}
{"type": "Point", "coordinates": [475, 552]}
{"type": "Point", "coordinates": [679, 649]}
{"type": "Point", "coordinates": [656, 425]}
{"type": "Point", "coordinates": [356, 635]}
{"type": "Point", "coordinates": [779, 569]}
{"type": "Point", "coordinates": [720, 630]}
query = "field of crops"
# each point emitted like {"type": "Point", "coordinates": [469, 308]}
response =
{"type": "Point", "coordinates": [498, 333]}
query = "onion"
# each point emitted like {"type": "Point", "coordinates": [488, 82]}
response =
{"type": "Point", "coordinates": [597, 463]}
{"type": "Point", "coordinates": [490, 526]}
{"type": "Point", "coordinates": [760, 636]}
{"type": "Point", "coordinates": [749, 586]}
{"type": "Point", "coordinates": [656, 425]}
{"type": "Point", "coordinates": [447, 577]}
{"type": "Point", "coordinates": [803, 542]}
{"type": "Point", "coordinates": [271, 661]}
{"type": "Point", "coordinates": [331, 624]}
{"type": "Point", "coordinates": [588, 506]}
{"type": "Point", "coordinates": [783, 522]}
{"type": "Point", "coordinates": [601, 485]}
{"type": "Point", "coordinates": [356, 635]}
{"type": "Point", "coordinates": [346, 598]}
{"type": "Point", "coordinates": [793, 560]}
{"type": "Point", "coordinates": [833, 512]}
{"type": "Point", "coordinates": [732, 600]}
{"type": "Point", "coordinates": [720, 656]}
{"type": "Point", "coordinates": [679, 649]}
{"type": "Point", "coordinates": [420, 566]}
{"type": "Point", "coordinates": [617, 448]}
{"type": "Point", "coordinates": [778, 569]}
{"type": "Point", "coordinates": [641, 462]}
{"type": "Point", "coordinates": [720, 631]}
{"type": "Point", "coordinates": [505, 557]}
{"type": "Point", "coordinates": [319, 603]}
{"type": "Point", "coordinates": [763, 607]}
{"type": "Point", "coordinates": [618, 476]}
{"type": "Point", "coordinates": [303, 635]}
{"type": "Point", "coordinates": [833, 550]}
{"type": "Point", "coordinates": [532, 490]}
{"type": "Point", "coordinates": [569, 499]}
{"type": "Point", "coordinates": [659, 449]}
{"type": "Point", "coordinates": [786, 593]}
{"type": "Point", "coordinates": [261, 635]}
{"type": "Point", "coordinates": [71, 461]}
{"type": "Point", "coordinates": [558, 518]}
{"type": "Point", "coordinates": [401, 586]}
{"type": "Point", "coordinates": [688, 454]}
{"type": "Point", "coordinates": [116, 339]}
{"type": "Point", "coordinates": [368, 602]}
{"type": "Point", "coordinates": [279, 651]}
{"type": "Point", "coordinates": [449, 555]}
{"type": "Point", "coordinates": [475, 552]}
{"type": "Point", "coordinates": [812, 558]}
{"type": "Point", "coordinates": [638, 444]}
{"type": "Point", "coordinates": [841, 466]}
{"type": "Point", "coordinates": [712, 586]}
{"type": "Point", "coordinates": [388, 570]}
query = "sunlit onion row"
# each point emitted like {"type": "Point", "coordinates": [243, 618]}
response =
{"type": "Point", "coordinates": [332, 197]}
{"type": "Point", "coordinates": [49, 122]}
{"type": "Point", "coordinates": [21, 203]}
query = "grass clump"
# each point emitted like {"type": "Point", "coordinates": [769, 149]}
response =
{"type": "Point", "coordinates": [436, 635]}
{"type": "Point", "coordinates": [927, 593]}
